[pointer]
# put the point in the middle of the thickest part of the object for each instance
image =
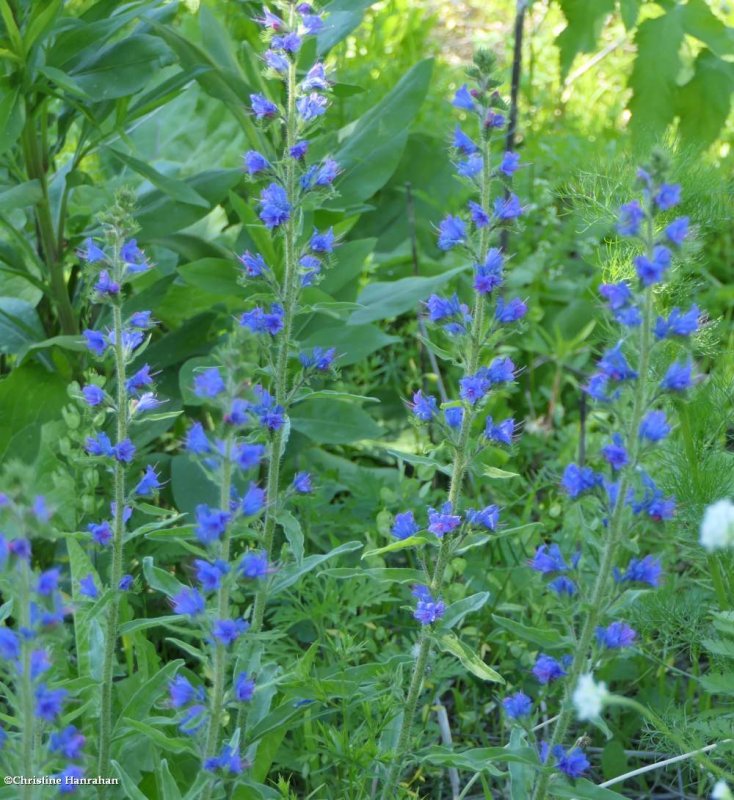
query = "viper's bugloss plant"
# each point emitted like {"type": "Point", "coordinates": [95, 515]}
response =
{"type": "Point", "coordinates": [119, 397]}
{"type": "Point", "coordinates": [635, 381]}
{"type": "Point", "coordinates": [34, 739]}
{"type": "Point", "coordinates": [472, 334]}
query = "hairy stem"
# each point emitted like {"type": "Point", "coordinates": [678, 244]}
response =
{"type": "Point", "coordinates": [290, 297]}
{"type": "Point", "coordinates": [113, 610]}
{"type": "Point", "coordinates": [26, 688]}
{"type": "Point", "coordinates": [617, 527]}
{"type": "Point", "coordinates": [460, 464]}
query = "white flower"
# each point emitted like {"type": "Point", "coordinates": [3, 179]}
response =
{"type": "Point", "coordinates": [721, 792]}
{"type": "Point", "coordinates": [589, 697]}
{"type": "Point", "coordinates": [717, 526]}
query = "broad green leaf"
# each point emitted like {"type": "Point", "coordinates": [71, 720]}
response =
{"type": "Point", "coordinates": [292, 572]}
{"type": "Point", "coordinates": [330, 394]}
{"type": "Point", "coordinates": [215, 275]}
{"type": "Point", "coordinates": [450, 643]}
{"type": "Point", "coordinates": [703, 104]}
{"type": "Point", "coordinates": [584, 22]}
{"type": "Point", "coordinates": [128, 785]}
{"type": "Point", "coordinates": [546, 639]}
{"type": "Point", "coordinates": [168, 784]}
{"type": "Point", "coordinates": [333, 422]}
{"type": "Point", "coordinates": [344, 275]}
{"type": "Point", "coordinates": [159, 579]}
{"type": "Point", "coordinates": [456, 612]}
{"type": "Point", "coordinates": [20, 196]}
{"type": "Point", "coordinates": [20, 325]}
{"type": "Point", "coordinates": [580, 790]}
{"type": "Point", "coordinates": [701, 22]}
{"type": "Point", "coordinates": [387, 575]}
{"type": "Point", "coordinates": [499, 474]}
{"type": "Point", "coordinates": [401, 544]}
{"type": "Point", "coordinates": [388, 299]}
{"type": "Point", "coordinates": [521, 773]}
{"type": "Point", "coordinates": [478, 759]}
{"type": "Point", "coordinates": [154, 735]}
{"type": "Point", "coordinates": [353, 342]}
{"type": "Point", "coordinates": [122, 68]}
{"type": "Point", "coordinates": [138, 706]}
{"type": "Point", "coordinates": [191, 485]}
{"type": "Point", "coordinates": [293, 533]}
{"type": "Point", "coordinates": [630, 11]}
{"type": "Point", "coordinates": [373, 144]}
{"type": "Point", "coordinates": [12, 118]}
{"type": "Point", "coordinates": [342, 17]}
{"type": "Point", "coordinates": [654, 74]}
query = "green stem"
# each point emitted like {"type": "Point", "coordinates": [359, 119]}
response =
{"type": "Point", "coordinates": [26, 688]}
{"type": "Point", "coordinates": [617, 528]}
{"type": "Point", "coordinates": [113, 610]}
{"type": "Point", "coordinates": [50, 245]}
{"type": "Point", "coordinates": [460, 464]}
{"type": "Point", "coordinates": [290, 287]}
{"type": "Point", "coordinates": [220, 651]}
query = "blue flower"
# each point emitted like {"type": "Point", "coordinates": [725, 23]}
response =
{"type": "Point", "coordinates": [510, 312]}
{"type": "Point", "coordinates": [311, 106]}
{"type": "Point", "coordinates": [563, 585]}
{"type": "Point", "coordinates": [318, 359]}
{"type": "Point", "coordinates": [49, 702]}
{"type": "Point", "coordinates": [493, 119]}
{"type": "Point", "coordinates": [299, 150]}
{"type": "Point", "coordinates": [244, 688]}
{"type": "Point", "coordinates": [507, 209]}
{"type": "Point", "coordinates": [149, 483]}
{"type": "Point", "coordinates": [488, 276]}
{"type": "Point", "coordinates": [463, 99]}
{"type": "Point", "coordinates": [126, 583]}
{"type": "Point", "coordinates": [211, 523]}
{"type": "Point", "coordinates": [405, 525]}
{"type": "Point", "coordinates": [68, 776]}
{"type": "Point", "coordinates": [327, 173]}
{"type": "Point", "coordinates": [133, 257]}
{"type": "Point", "coordinates": [322, 242]}
{"type": "Point", "coordinates": [302, 483]}
{"type": "Point", "coordinates": [269, 414]}
{"type": "Point", "coordinates": [68, 742]}
{"type": "Point", "coordinates": [427, 610]}
{"type": "Point", "coordinates": [291, 43]}
{"type": "Point", "coordinates": [105, 285]}
{"type": "Point", "coordinates": [443, 521]}
{"type": "Point", "coordinates": [258, 320]}
{"type": "Point", "coordinates": [548, 559]}
{"type": "Point", "coordinates": [579, 480]}
{"type": "Point", "coordinates": [124, 451]}
{"type": "Point", "coordinates": [597, 387]}
{"type": "Point", "coordinates": [501, 370]}
{"type": "Point", "coordinates": [631, 216]}
{"type": "Point", "coordinates": [210, 575]}
{"type": "Point", "coordinates": [262, 108]}
{"type": "Point", "coordinates": [9, 644]}
{"type": "Point", "coordinates": [88, 588]}
{"type": "Point", "coordinates": [227, 761]}
{"type": "Point", "coordinates": [642, 570]}
{"type": "Point", "coordinates": [277, 62]}
{"type": "Point", "coordinates": [463, 143]}
{"type": "Point", "coordinates": [478, 215]}
{"type": "Point", "coordinates": [425, 408]}
{"type": "Point", "coordinates": [312, 23]}
{"type": "Point", "coordinates": [274, 206]}
{"type": "Point", "coordinates": [487, 517]}
{"type": "Point", "coordinates": [193, 720]}
{"type": "Point", "coordinates": [255, 162]}
{"type": "Point", "coordinates": [654, 426]}
{"type": "Point", "coordinates": [91, 252]}
{"type": "Point", "coordinates": [547, 669]}
{"type": "Point", "coordinates": [101, 532]}
{"type": "Point", "coordinates": [48, 581]}
{"type": "Point", "coordinates": [315, 79]}
{"type": "Point", "coordinates": [473, 388]}
{"type": "Point", "coordinates": [248, 456]}
{"type": "Point", "coordinates": [451, 232]}
{"type": "Point", "coordinates": [678, 378]}
{"type": "Point", "coordinates": [517, 705]}
{"type": "Point", "coordinates": [140, 379]}
{"type": "Point", "coordinates": [253, 501]}
{"type": "Point", "coordinates": [254, 564]}
{"type": "Point", "coordinates": [227, 631]}
{"type": "Point", "coordinates": [471, 166]}
{"type": "Point", "coordinates": [501, 433]}
{"type": "Point", "coordinates": [209, 383]}
{"type": "Point", "coordinates": [614, 365]}
{"type": "Point", "coordinates": [181, 692]}
{"type": "Point", "coordinates": [677, 231]}
{"type": "Point", "coordinates": [440, 308]}
{"type": "Point", "coordinates": [668, 196]}
{"type": "Point", "coordinates": [270, 20]}
{"type": "Point", "coordinates": [454, 416]}
{"type": "Point", "coordinates": [253, 265]}
{"type": "Point", "coordinates": [615, 453]}
{"type": "Point", "coordinates": [99, 445]}
{"type": "Point", "coordinates": [653, 502]}
{"type": "Point", "coordinates": [142, 320]}
{"type": "Point", "coordinates": [651, 271]}
{"type": "Point", "coordinates": [510, 163]}
{"type": "Point", "coordinates": [188, 602]}
{"type": "Point", "coordinates": [96, 342]}
{"type": "Point", "coordinates": [616, 636]}
{"type": "Point", "coordinates": [196, 440]}
{"type": "Point", "coordinates": [572, 763]}
{"type": "Point", "coordinates": [617, 295]}
{"type": "Point", "coordinates": [678, 323]}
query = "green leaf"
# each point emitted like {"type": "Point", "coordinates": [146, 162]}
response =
{"type": "Point", "coordinates": [388, 299]}
{"type": "Point", "coordinates": [20, 325]}
{"type": "Point", "coordinates": [159, 738]}
{"type": "Point", "coordinates": [581, 790]}
{"type": "Point", "coordinates": [138, 706]}
{"type": "Point", "coordinates": [374, 144]}
{"type": "Point", "coordinates": [456, 612]}
{"type": "Point", "coordinates": [654, 74]}
{"type": "Point", "coordinates": [168, 784]}
{"type": "Point", "coordinates": [629, 11]}
{"type": "Point", "coordinates": [160, 579]}
{"type": "Point", "coordinates": [333, 422]}
{"type": "Point", "coordinates": [700, 22]}
{"type": "Point", "coordinates": [450, 643]}
{"type": "Point", "coordinates": [178, 190]}
{"type": "Point", "coordinates": [128, 784]}
{"type": "Point", "coordinates": [122, 68]}
{"type": "Point", "coordinates": [521, 774]}
{"type": "Point", "coordinates": [20, 196]}
{"type": "Point", "coordinates": [353, 342]}
{"type": "Point", "coordinates": [584, 22]}
{"type": "Point", "coordinates": [191, 485]}
{"type": "Point", "coordinates": [547, 639]}
{"type": "Point", "coordinates": [478, 759]}
{"type": "Point", "coordinates": [350, 259]}
{"type": "Point", "coordinates": [293, 533]}
{"type": "Point", "coordinates": [387, 575]}
{"type": "Point", "coordinates": [703, 104]}
{"type": "Point", "coordinates": [499, 474]}
{"type": "Point", "coordinates": [401, 544]}
{"type": "Point", "coordinates": [12, 118]}
{"type": "Point", "coordinates": [215, 275]}
{"type": "Point", "coordinates": [342, 17]}
{"type": "Point", "coordinates": [290, 574]}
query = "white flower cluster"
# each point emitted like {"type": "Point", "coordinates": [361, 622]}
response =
{"type": "Point", "coordinates": [717, 526]}
{"type": "Point", "coordinates": [589, 697]}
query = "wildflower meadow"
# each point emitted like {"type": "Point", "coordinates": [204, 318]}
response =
{"type": "Point", "coordinates": [367, 400]}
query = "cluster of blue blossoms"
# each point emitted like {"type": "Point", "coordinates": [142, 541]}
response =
{"type": "Point", "coordinates": [627, 496]}
{"type": "Point", "coordinates": [42, 743]}
{"type": "Point", "coordinates": [472, 329]}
